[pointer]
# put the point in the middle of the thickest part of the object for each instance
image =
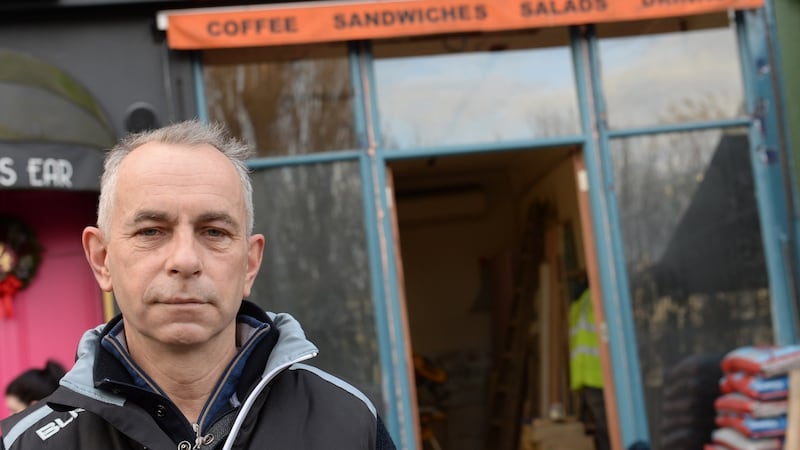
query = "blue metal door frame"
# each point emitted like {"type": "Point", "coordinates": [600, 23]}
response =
{"type": "Point", "coordinates": [771, 161]}
{"type": "Point", "coordinates": [611, 261]}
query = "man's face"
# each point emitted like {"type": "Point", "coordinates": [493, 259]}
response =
{"type": "Point", "coordinates": [177, 256]}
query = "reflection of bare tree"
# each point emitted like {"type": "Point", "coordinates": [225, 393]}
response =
{"type": "Point", "coordinates": [284, 107]}
{"type": "Point", "coordinates": [541, 123]}
{"type": "Point", "coordinates": [545, 122]}
{"type": "Point", "coordinates": [656, 176]}
{"type": "Point", "coordinates": [693, 247]}
{"type": "Point", "coordinates": [391, 139]}
{"type": "Point", "coordinates": [655, 179]}
{"type": "Point", "coordinates": [709, 106]}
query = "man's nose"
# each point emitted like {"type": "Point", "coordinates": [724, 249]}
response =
{"type": "Point", "coordinates": [184, 257]}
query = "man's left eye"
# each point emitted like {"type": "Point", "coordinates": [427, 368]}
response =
{"type": "Point", "coordinates": [213, 232]}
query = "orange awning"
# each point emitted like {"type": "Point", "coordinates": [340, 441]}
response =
{"type": "Point", "coordinates": [303, 23]}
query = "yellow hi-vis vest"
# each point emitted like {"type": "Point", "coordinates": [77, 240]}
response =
{"type": "Point", "coordinates": [584, 353]}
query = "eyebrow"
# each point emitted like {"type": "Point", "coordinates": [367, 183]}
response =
{"type": "Point", "coordinates": [160, 216]}
{"type": "Point", "coordinates": [218, 217]}
{"type": "Point", "coordinates": [151, 216]}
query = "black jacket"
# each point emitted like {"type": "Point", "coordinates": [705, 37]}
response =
{"type": "Point", "coordinates": [267, 399]}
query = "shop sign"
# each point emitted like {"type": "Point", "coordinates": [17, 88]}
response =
{"type": "Point", "coordinates": [310, 22]}
{"type": "Point", "coordinates": [26, 165]}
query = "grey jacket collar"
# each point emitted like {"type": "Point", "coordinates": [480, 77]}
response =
{"type": "Point", "coordinates": [292, 346]}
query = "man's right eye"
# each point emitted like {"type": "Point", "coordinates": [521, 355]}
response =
{"type": "Point", "coordinates": [148, 232]}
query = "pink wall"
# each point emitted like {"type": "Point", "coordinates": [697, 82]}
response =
{"type": "Point", "coordinates": [63, 299]}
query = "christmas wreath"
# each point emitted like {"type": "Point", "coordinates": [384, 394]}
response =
{"type": "Point", "coordinates": [20, 254]}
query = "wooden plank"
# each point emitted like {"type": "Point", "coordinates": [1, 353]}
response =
{"type": "Point", "coordinates": [589, 249]}
{"type": "Point", "coordinates": [558, 333]}
{"type": "Point", "coordinates": [544, 336]}
{"type": "Point", "coordinates": [401, 293]}
{"type": "Point", "coordinates": [793, 419]}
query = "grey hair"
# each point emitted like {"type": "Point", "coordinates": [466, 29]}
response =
{"type": "Point", "coordinates": [190, 133]}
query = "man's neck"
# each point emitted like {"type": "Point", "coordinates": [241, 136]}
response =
{"type": "Point", "coordinates": [187, 376]}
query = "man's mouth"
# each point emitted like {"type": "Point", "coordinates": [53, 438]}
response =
{"type": "Point", "coordinates": [183, 301]}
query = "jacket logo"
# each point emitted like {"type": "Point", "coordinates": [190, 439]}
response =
{"type": "Point", "coordinates": [51, 428]}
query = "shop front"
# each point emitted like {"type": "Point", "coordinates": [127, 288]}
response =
{"type": "Point", "coordinates": [404, 146]}
{"type": "Point", "coordinates": [439, 180]}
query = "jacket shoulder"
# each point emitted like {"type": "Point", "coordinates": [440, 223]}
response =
{"type": "Point", "coordinates": [46, 428]}
{"type": "Point", "coordinates": [35, 425]}
{"type": "Point", "coordinates": [306, 407]}
{"type": "Point", "coordinates": [336, 385]}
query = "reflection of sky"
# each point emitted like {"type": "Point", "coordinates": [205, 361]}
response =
{"type": "Point", "coordinates": [471, 97]}
{"type": "Point", "coordinates": [522, 94]}
{"type": "Point", "coordinates": [646, 79]}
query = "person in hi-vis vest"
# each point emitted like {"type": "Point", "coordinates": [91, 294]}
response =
{"type": "Point", "coordinates": [585, 372]}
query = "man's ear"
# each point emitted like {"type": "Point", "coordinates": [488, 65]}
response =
{"type": "Point", "coordinates": [255, 252]}
{"type": "Point", "coordinates": [94, 247]}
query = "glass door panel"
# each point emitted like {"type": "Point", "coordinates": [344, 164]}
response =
{"type": "Point", "coordinates": [316, 265]}
{"type": "Point", "coordinates": [695, 260]}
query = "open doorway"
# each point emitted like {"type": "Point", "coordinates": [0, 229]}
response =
{"type": "Point", "coordinates": [490, 243]}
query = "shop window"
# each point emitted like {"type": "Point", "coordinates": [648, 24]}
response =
{"type": "Point", "coordinates": [671, 71]}
{"type": "Point", "coordinates": [316, 265]}
{"type": "Point", "coordinates": [696, 266]}
{"type": "Point", "coordinates": [283, 101]}
{"type": "Point", "coordinates": [475, 89]}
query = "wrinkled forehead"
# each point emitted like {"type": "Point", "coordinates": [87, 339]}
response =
{"type": "Point", "coordinates": [157, 171]}
{"type": "Point", "coordinates": [194, 155]}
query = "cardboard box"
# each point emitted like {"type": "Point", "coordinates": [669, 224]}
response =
{"type": "Point", "coordinates": [543, 430]}
{"type": "Point", "coordinates": [571, 443]}
{"type": "Point", "coordinates": [545, 434]}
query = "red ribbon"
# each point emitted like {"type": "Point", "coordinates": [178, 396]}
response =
{"type": "Point", "coordinates": [8, 287]}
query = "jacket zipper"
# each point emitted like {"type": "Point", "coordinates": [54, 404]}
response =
{"type": "Point", "coordinates": [199, 438]}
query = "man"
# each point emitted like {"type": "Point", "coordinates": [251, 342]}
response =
{"type": "Point", "coordinates": [585, 371]}
{"type": "Point", "coordinates": [188, 364]}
